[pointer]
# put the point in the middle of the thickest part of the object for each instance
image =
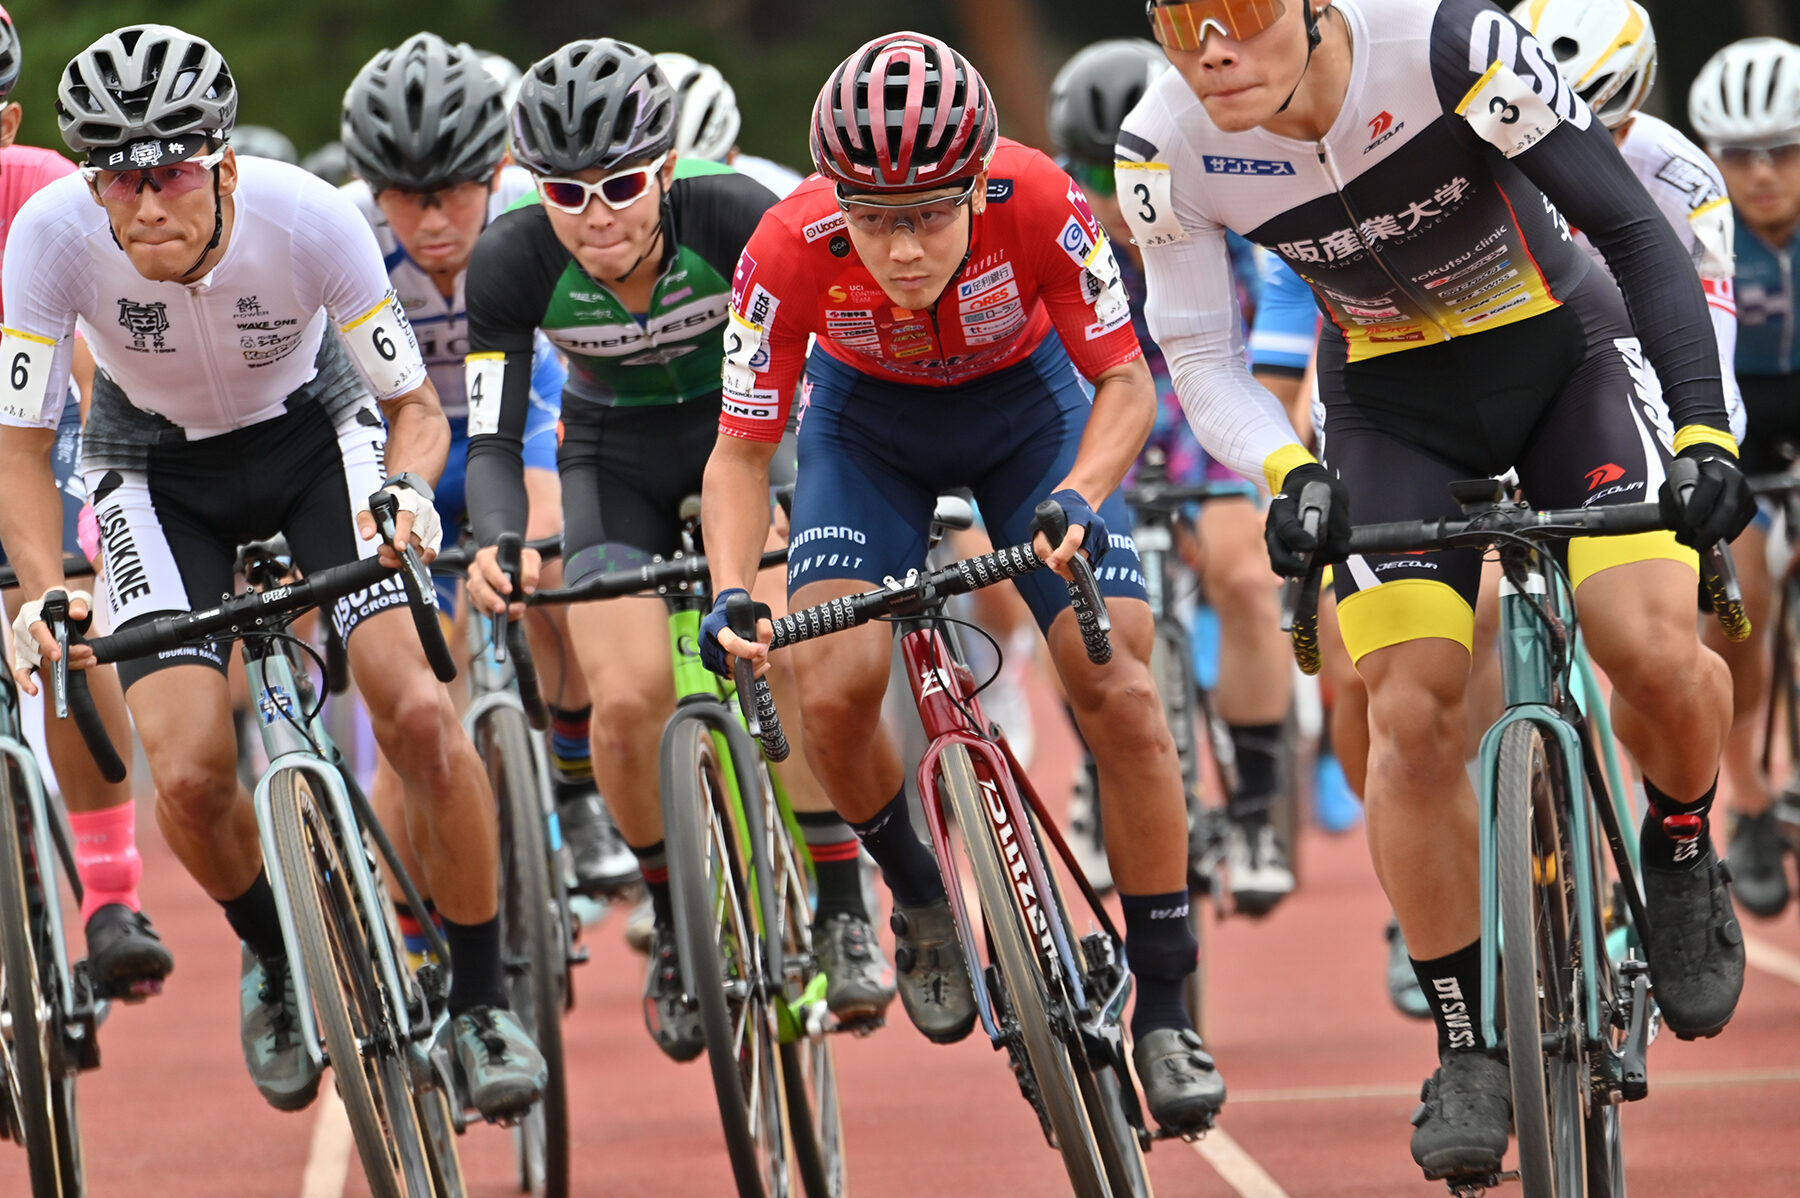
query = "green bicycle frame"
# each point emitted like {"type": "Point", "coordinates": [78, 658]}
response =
{"type": "Point", "coordinates": [1529, 689]}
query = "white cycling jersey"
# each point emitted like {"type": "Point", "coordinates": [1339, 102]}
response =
{"type": "Point", "coordinates": [440, 322]}
{"type": "Point", "coordinates": [1689, 191]}
{"type": "Point", "coordinates": [211, 356]}
{"type": "Point", "coordinates": [772, 175]}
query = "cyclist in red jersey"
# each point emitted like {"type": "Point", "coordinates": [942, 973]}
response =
{"type": "Point", "coordinates": [126, 958]}
{"type": "Point", "coordinates": [944, 271]}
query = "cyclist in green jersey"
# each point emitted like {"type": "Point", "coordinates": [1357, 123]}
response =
{"type": "Point", "coordinates": [626, 266]}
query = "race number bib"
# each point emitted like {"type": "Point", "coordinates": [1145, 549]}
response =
{"type": "Point", "coordinates": [1145, 197]}
{"type": "Point", "coordinates": [25, 359]}
{"type": "Point", "coordinates": [486, 374]}
{"type": "Point", "coordinates": [1506, 113]}
{"type": "Point", "coordinates": [382, 342]}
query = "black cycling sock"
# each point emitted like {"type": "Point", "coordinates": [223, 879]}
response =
{"type": "Point", "coordinates": [253, 916]}
{"type": "Point", "coordinates": [474, 965]}
{"type": "Point", "coordinates": [653, 864]}
{"type": "Point", "coordinates": [1163, 953]}
{"type": "Point", "coordinates": [1676, 835]}
{"type": "Point", "coordinates": [836, 864]}
{"type": "Point", "coordinates": [1258, 751]}
{"type": "Point", "coordinates": [1452, 987]}
{"type": "Point", "coordinates": [907, 866]}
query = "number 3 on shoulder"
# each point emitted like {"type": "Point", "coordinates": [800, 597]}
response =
{"type": "Point", "coordinates": [26, 359]}
{"type": "Point", "coordinates": [1145, 196]}
{"type": "Point", "coordinates": [382, 342]}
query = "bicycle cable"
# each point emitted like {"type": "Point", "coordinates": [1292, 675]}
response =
{"type": "Point", "coordinates": [999, 662]}
{"type": "Point", "coordinates": [319, 691]}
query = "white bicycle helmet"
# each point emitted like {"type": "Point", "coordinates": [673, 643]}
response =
{"type": "Point", "coordinates": [709, 122]}
{"type": "Point", "coordinates": [148, 93]}
{"type": "Point", "coordinates": [1748, 94]}
{"type": "Point", "coordinates": [1604, 48]}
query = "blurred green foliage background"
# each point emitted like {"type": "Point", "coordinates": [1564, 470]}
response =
{"type": "Point", "coordinates": [292, 62]}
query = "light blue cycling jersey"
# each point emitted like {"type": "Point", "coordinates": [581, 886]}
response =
{"type": "Point", "coordinates": [1286, 329]}
{"type": "Point", "coordinates": [1768, 343]}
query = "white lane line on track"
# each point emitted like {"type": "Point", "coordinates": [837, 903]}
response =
{"type": "Point", "coordinates": [1236, 1167]}
{"type": "Point", "coordinates": [328, 1156]}
{"type": "Point", "coordinates": [1768, 958]}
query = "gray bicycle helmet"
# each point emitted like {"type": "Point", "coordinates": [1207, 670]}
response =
{"type": "Point", "coordinates": [424, 115]}
{"type": "Point", "coordinates": [330, 162]}
{"type": "Point", "coordinates": [599, 103]}
{"type": "Point", "coordinates": [9, 54]}
{"type": "Point", "coordinates": [260, 141]}
{"type": "Point", "coordinates": [145, 95]}
{"type": "Point", "coordinates": [1094, 91]}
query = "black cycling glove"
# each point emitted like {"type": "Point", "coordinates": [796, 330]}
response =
{"type": "Point", "coordinates": [1292, 550]}
{"type": "Point", "coordinates": [1720, 506]}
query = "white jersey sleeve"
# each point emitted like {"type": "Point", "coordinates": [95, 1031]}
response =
{"type": "Point", "coordinates": [47, 272]}
{"type": "Point", "coordinates": [338, 264]}
{"type": "Point", "coordinates": [1192, 308]}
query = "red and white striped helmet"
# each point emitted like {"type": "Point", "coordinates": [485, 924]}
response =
{"type": "Point", "coordinates": [903, 113]}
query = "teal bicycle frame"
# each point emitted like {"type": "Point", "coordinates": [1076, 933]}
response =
{"type": "Point", "coordinates": [1531, 692]}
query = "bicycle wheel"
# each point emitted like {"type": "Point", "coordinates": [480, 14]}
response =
{"type": "Point", "coordinates": [724, 956]}
{"type": "Point", "coordinates": [808, 1063]}
{"type": "Point", "coordinates": [1538, 971]}
{"type": "Point", "coordinates": [32, 1065]}
{"type": "Point", "coordinates": [1022, 975]}
{"type": "Point", "coordinates": [533, 947]}
{"type": "Point", "coordinates": [353, 1020]}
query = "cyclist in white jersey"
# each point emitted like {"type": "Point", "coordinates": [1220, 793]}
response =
{"type": "Point", "coordinates": [1419, 162]}
{"type": "Point", "coordinates": [213, 293]}
{"type": "Point", "coordinates": [425, 129]}
{"type": "Point", "coordinates": [709, 123]}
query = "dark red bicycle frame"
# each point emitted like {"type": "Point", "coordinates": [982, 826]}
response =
{"type": "Point", "coordinates": [943, 691]}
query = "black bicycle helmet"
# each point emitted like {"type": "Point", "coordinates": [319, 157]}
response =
{"type": "Point", "coordinates": [1094, 91]}
{"type": "Point", "coordinates": [146, 84]}
{"type": "Point", "coordinates": [597, 103]}
{"type": "Point", "coordinates": [424, 115]}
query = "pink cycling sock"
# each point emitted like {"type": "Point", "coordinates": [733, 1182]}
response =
{"type": "Point", "coordinates": [106, 856]}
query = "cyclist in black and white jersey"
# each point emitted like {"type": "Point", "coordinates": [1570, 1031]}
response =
{"type": "Point", "coordinates": [213, 294]}
{"type": "Point", "coordinates": [1415, 162]}
{"type": "Point", "coordinates": [425, 128]}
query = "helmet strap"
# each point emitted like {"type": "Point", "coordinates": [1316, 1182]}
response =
{"type": "Point", "coordinates": [1314, 35]}
{"type": "Point", "coordinates": [218, 226]}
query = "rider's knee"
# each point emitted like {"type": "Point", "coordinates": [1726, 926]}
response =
{"type": "Point", "coordinates": [1419, 715]}
{"type": "Point", "coordinates": [626, 723]}
{"type": "Point", "coordinates": [415, 727]}
{"type": "Point", "coordinates": [844, 712]}
{"type": "Point", "coordinates": [1244, 586]}
{"type": "Point", "coordinates": [194, 794]}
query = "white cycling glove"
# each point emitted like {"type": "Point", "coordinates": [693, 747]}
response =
{"type": "Point", "coordinates": [426, 525]}
{"type": "Point", "coordinates": [25, 647]}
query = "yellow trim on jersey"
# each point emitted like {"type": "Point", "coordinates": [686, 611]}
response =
{"type": "Point", "coordinates": [486, 356]}
{"type": "Point", "coordinates": [1407, 609]}
{"type": "Point", "coordinates": [1469, 96]}
{"type": "Point", "coordinates": [24, 336]}
{"type": "Point", "coordinates": [1704, 434]}
{"type": "Point", "coordinates": [1702, 210]}
{"type": "Point", "coordinates": [1590, 555]}
{"type": "Point", "coordinates": [379, 305]}
{"type": "Point", "coordinates": [1277, 464]}
{"type": "Point", "coordinates": [1634, 29]}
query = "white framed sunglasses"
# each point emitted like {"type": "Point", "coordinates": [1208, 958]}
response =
{"type": "Point", "coordinates": [619, 190]}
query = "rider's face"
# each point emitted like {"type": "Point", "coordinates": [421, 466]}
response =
{"type": "Point", "coordinates": [911, 252]}
{"type": "Point", "coordinates": [1244, 84]}
{"type": "Point", "coordinates": [165, 233]}
{"type": "Point", "coordinates": [610, 242]}
{"type": "Point", "coordinates": [1764, 185]}
{"type": "Point", "coordinates": [438, 228]}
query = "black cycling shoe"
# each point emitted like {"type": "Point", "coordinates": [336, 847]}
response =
{"type": "Point", "coordinates": [1464, 1117]}
{"type": "Point", "coordinates": [1758, 865]}
{"type": "Point", "coordinates": [1181, 1083]}
{"type": "Point", "coordinates": [672, 1017]}
{"type": "Point", "coordinates": [859, 983]}
{"type": "Point", "coordinates": [1695, 947]}
{"type": "Point", "coordinates": [601, 860]}
{"type": "Point", "coordinates": [932, 975]}
{"type": "Point", "coordinates": [126, 958]}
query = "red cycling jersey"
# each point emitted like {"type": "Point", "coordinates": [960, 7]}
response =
{"type": "Point", "coordinates": [1036, 258]}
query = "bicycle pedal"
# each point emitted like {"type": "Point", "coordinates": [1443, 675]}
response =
{"type": "Point", "coordinates": [1473, 1186]}
{"type": "Point", "coordinates": [868, 1025]}
{"type": "Point", "coordinates": [1188, 1135]}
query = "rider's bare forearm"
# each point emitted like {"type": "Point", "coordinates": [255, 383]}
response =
{"type": "Point", "coordinates": [734, 509]}
{"type": "Point", "coordinates": [31, 518]}
{"type": "Point", "coordinates": [418, 433]}
{"type": "Point", "coordinates": [1124, 413]}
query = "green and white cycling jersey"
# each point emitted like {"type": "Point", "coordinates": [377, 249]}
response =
{"type": "Point", "coordinates": [521, 279]}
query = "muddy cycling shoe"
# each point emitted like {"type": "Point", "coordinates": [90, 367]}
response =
{"type": "Point", "coordinates": [1257, 866]}
{"type": "Point", "coordinates": [640, 926]}
{"type": "Point", "coordinates": [279, 1064]}
{"type": "Point", "coordinates": [1464, 1117]}
{"type": "Point", "coordinates": [1695, 947]}
{"type": "Point", "coordinates": [672, 1017]}
{"type": "Point", "coordinates": [1402, 980]}
{"type": "Point", "coordinates": [1181, 1084]}
{"type": "Point", "coordinates": [503, 1070]}
{"type": "Point", "coordinates": [126, 958]}
{"type": "Point", "coordinates": [1758, 865]}
{"type": "Point", "coordinates": [603, 863]}
{"type": "Point", "coordinates": [934, 980]}
{"type": "Point", "coordinates": [859, 983]}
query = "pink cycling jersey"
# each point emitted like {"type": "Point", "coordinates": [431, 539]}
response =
{"type": "Point", "coordinates": [1037, 259]}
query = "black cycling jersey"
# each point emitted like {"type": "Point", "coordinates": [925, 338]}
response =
{"type": "Point", "coordinates": [521, 279]}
